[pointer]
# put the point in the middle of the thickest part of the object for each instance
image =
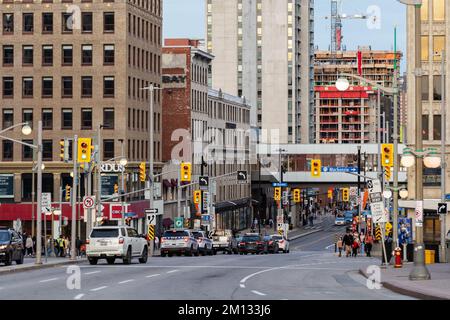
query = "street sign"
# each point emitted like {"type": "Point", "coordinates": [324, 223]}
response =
{"type": "Point", "coordinates": [242, 176]}
{"type": "Point", "coordinates": [179, 222]}
{"type": "Point", "coordinates": [375, 197]}
{"type": "Point", "coordinates": [46, 201]}
{"type": "Point", "coordinates": [442, 208]}
{"type": "Point", "coordinates": [419, 213]}
{"type": "Point", "coordinates": [88, 202]}
{"type": "Point", "coordinates": [149, 211]}
{"type": "Point", "coordinates": [205, 201]}
{"type": "Point", "coordinates": [339, 169]}
{"type": "Point", "coordinates": [203, 182]}
{"type": "Point", "coordinates": [151, 232]}
{"type": "Point", "coordinates": [377, 209]}
{"type": "Point", "coordinates": [151, 218]}
{"type": "Point", "coordinates": [285, 198]}
{"type": "Point", "coordinates": [374, 186]}
{"type": "Point", "coordinates": [277, 184]}
{"type": "Point", "coordinates": [447, 196]}
{"type": "Point", "coordinates": [353, 191]}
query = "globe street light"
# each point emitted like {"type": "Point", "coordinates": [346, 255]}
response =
{"type": "Point", "coordinates": [342, 84]}
{"type": "Point", "coordinates": [26, 130]}
{"type": "Point", "coordinates": [404, 193]}
{"type": "Point", "coordinates": [123, 162]}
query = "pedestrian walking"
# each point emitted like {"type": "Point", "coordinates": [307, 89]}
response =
{"type": "Point", "coordinates": [355, 247]}
{"type": "Point", "coordinates": [156, 243]}
{"type": "Point", "coordinates": [78, 244]}
{"type": "Point", "coordinates": [348, 241]}
{"type": "Point", "coordinates": [369, 243]}
{"type": "Point", "coordinates": [34, 244]}
{"type": "Point", "coordinates": [29, 246]}
{"type": "Point", "coordinates": [68, 247]}
{"type": "Point", "coordinates": [362, 242]}
{"type": "Point", "coordinates": [56, 246]}
{"type": "Point", "coordinates": [61, 246]}
{"type": "Point", "coordinates": [271, 222]}
{"type": "Point", "coordinates": [340, 246]}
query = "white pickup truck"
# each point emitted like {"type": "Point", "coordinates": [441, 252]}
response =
{"type": "Point", "coordinates": [222, 241]}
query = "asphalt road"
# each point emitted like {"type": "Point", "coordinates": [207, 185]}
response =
{"type": "Point", "coordinates": [309, 271]}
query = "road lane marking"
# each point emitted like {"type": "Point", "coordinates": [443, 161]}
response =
{"type": "Point", "coordinates": [99, 288]}
{"type": "Point", "coordinates": [331, 245]}
{"type": "Point", "coordinates": [88, 273]}
{"type": "Point", "coordinates": [242, 285]}
{"type": "Point", "coordinates": [126, 281]}
{"type": "Point", "coordinates": [172, 271]}
{"type": "Point", "coordinates": [153, 275]}
{"type": "Point", "coordinates": [256, 273]}
{"type": "Point", "coordinates": [78, 297]}
{"type": "Point", "coordinates": [259, 293]}
{"type": "Point", "coordinates": [48, 280]}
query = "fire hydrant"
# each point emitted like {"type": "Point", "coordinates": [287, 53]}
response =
{"type": "Point", "coordinates": [398, 257]}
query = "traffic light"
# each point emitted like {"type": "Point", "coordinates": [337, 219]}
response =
{"type": "Point", "coordinates": [387, 155]}
{"type": "Point", "coordinates": [116, 188]}
{"type": "Point", "coordinates": [316, 168]}
{"type": "Point", "coordinates": [277, 193]}
{"type": "Point", "coordinates": [185, 171]}
{"type": "Point", "coordinates": [67, 192]}
{"type": "Point", "coordinates": [330, 193]}
{"type": "Point", "coordinates": [387, 173]}
{"type": "Point", "coordinates": [197, 196]}
{"type": "Point", "coordinates": [84, 149]}
{"type": "Point", "coordinates": [142, 171]}
{"type": "Point", "coordinates": [296, 195]}
{"type": "Point", "coordinates": [64, 153]}
{"type": "Point", "coordinates": [345, 194]}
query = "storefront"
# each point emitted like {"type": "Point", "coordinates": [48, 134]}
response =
{"type": "Point", "coordinates": [233, 216]}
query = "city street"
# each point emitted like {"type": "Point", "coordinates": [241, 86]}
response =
{"type": "Point", "coordinates": [309, 271]}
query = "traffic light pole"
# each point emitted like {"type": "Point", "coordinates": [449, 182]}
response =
{"type": "Point", "coordinates": [74, 198]}
{"type": "Point", "coordinates": [98, 172]}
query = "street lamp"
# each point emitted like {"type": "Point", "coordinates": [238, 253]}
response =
{"type": "Point", "coordinates": [431, 158]}
{"type": "Point", "coordinates": [404, 193]}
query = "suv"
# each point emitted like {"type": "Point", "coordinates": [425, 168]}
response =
{"type": "Point", "coordinates": [253, 243]}
{"type": "Point", "coordinates": [283, 243]}
{"type": "Point", "coordinates": [222, 241]}
{"type": "Point", "coordinates": [272, 243]}
{"type": "Point", "coordinates": [11, 246]}
{"type": "Point", "coordinates": [179, 241]}
{"type": "Point", "coordinates": [111, 242]}
{"type": "Point", "coordinates": [205, 245]}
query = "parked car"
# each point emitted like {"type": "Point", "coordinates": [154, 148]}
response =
{"type": "Point", "coordinates": [222, 241]}
{"type": "Point", "coordinates": [11, 246]}
{"type": "Point", "coordinates": [272, 243]}
{"type": "Point", "coordinates": [235, 243]}
{"type": "Point", "coordinates": [205, 245]}
{"type": "Point", "coordinates": [179, 242]}
{"type": "Point", "coordinates": [112, 242]}
{"type": "Point", "coordinates": [252, 243]}
{"type": "Point", "coordinates": [283, 243]}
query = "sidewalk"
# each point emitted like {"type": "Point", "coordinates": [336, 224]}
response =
{"type": "Point", "coordinates": [397, 280]}
{"type": "Point", "coordinates": [29, 264]}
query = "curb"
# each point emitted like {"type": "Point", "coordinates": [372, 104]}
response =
{"type": "Point", "coordinates": [42, 266]}
{"type": "Point", "coordinates": [305, 234]}
{"type": "Point", "coordinates": [405, 291]}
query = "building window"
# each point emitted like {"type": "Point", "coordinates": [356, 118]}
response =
{"type": "Point", "coordinates": [108, 54]}
{"type": "Point", "coordinates": [108, 86]}
{"type": "Point", "coordinates": [425, 47]}
{"type": "Point", "coordinates": [28, 23]}
{"type": "Point", "coordinates": [47, 87]}
{"type": "Point", "coordinates": [86, 87]}
{"type": "Point", "coordinates": [47, 55]}
{"type": "Point", "coordinates": [108, 149]}
{"type": "Point", "coordinates": [424, 10]}
{"type": "Point", "coordinates": [86, 119]}
{"type": "Point", "coordinates": [438, 10]}
{"type": "Point", "coordinates": [27, 116]}
{"type": "Point", "coordinates": [66, 86]}
{"type": "Point", "coordinates": [8, 55]}
{"type": "Point", "coordinates": [8, 23]}
{"type": "Point", "coordinates": [86, 22]}
{"type": "Point", "coordinates": [67, 23]}
{"type": "Point", "coordinates": [438, 47]}
{"type": "Point", "coordinates": [437, 127]}
{"type": "Point", "coordinates": [67, 55]}
{"type": "Point", "coordinates": [27, 87]}
{"type": "Point", "coordinates": [108, 22]}
{"type": "Point", "coordinates": [47, 119]}
{"type": "Point", "coordinates": [8, 87]}
{"type": "Point", "coordinates": [425, 88]}
{"type": "Point", "coordinates": [437, 88]}
{"type": "Point", "coordinates": [47, 22]}
{"type": "Point", "coordinates": [425, 127]}
{"type": "Point", "coordinates": [108, 118]}
{"type": "Point", "coordinates": [86, 54]}
{"type": "Point", "coordinates": [27, 152]}
{"type": "Point", "coordinates": [47, 150]}
{"type": "Point", "coordinates": [66, 119]}
{"type": "Point", "coordinates": [27, 55]}
{"type": "Point", "coordinates": [8, 150]}
{"type": "Point", "coordinates": [8, 118]}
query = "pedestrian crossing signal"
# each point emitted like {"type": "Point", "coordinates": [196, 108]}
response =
{"type": "Point", "coordinates": [296, 195]}
{"type": "Point", "coordinates": [277, 193]}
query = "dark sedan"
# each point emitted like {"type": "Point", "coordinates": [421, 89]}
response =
{"type": "Point", "coordinates": [11, 246]}
{"type": "Point", "coordinates": [272, 244]}
{"type": "Point", "coordinates": [252, 243]}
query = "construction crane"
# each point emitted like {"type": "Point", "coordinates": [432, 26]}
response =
{"type": "Point", "coordinates": [336, 24]}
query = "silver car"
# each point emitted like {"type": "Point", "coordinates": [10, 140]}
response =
{"type": "Point", "coordinates": [205, 244]}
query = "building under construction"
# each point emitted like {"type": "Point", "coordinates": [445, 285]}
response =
{"type": "Point", "coordinates": [351, 116]}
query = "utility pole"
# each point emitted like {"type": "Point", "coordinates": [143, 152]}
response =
{"type": "Point", "coordinates": [74, 197]}
{"type": "Point", "coordinates": [396, 140]}
{"type": "Point", "coordinates": [122, 187]}
{"type": "Point", "coordinates": [99, 177]}
{"type": "Point", "coordinates": [443, 255]}
{"type": "Point", "coordinates": [39, 196]}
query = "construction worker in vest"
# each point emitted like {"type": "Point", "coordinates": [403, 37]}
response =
{"type": "Point", "coordinates": [61, 246]}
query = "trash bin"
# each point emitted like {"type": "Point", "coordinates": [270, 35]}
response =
{"type": "Point", "coordinates": [429, 256]}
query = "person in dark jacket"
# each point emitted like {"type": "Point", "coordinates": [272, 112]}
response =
{"type": "Point", "coordinates": [348, 242]}
{"type": "Point", "coordinates": [78, 244]}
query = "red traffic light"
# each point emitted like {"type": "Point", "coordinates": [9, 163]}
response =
{"type": "Point", "coordinates": [84, 145]}
{"type": "Point", "coordinates": [387, 150]}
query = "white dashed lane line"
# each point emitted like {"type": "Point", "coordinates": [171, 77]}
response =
{"type": "Point", "coordinates": [78, 297]}
{"type": "Point", "coordinates": [126, 281]}
{"type": "Point", "coordinates": [48, 280]}
{"type": "Point", "coordinates": [92, 272]}
{"type": "Point", "coordinates": [259, 293]}
{"type": "Point", "coordinates": [153, 275]}
{"type": "Point", "coordinates": [99, 288]}
{"type": "Point", "coordinates": [242, 285]}
{"type": "Point", "coordinates": [172, 271]}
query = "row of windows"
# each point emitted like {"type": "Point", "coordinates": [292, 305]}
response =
{"type": "Point", "coordinates": [143, 59]}
{"type": "Point", "coordinates": [66, 87]}
{"type": "Point", "coordinates": [438, 47]}
{"type": "Point", "coordinates": [67, 56]}
{"type": "Point", "coordinates": [66, 118]}
{"type": "Point", "coordinates": [437, 8]}
{"type": "Point", "coordinates": [138, 150]}
{"type": "Point", "coordinates": [47, 150]}
{"type": "Point", "coordinates": [67, 23]}
{"type": "Point", "coordinates": [227, 112]}
{"type": "Point", "coordinates": [436, 134]}
{"type": "Point", "coordinates": [136, 90]}
{"type": "Point", "coordinates": [199, 100]}
{"type": "Point", "coordinates": [154, 6]}
{"type": "Point", "coordinates": [199, 74]}
{"type": "Point", "coordinates": [143, 29]}
{"type": "Point", "coordinates": [138, 120]}
{"type": "Point", "coordinates": [436, 85]}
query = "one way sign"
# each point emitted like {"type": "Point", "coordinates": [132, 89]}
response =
{"type": "Point", "coordinates": [203, 182]}
{"type": "Point", "coordinates": [242, 176]}
{"type": "Point", "coordinates": [442, 208]}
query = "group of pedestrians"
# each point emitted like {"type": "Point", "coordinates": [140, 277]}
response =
{"type": "Point", "coordinates": [354, 243]}
{"type": "Point", "coordinates": [63, 246]}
